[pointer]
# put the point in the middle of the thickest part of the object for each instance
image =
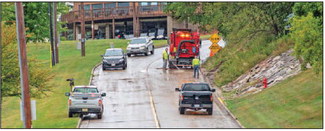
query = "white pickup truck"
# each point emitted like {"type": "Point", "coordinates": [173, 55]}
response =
{"type": "Point", "coordinates": [85, 100]}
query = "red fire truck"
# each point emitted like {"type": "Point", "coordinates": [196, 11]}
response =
{"type": "Point", "coordinates": [184, 46]}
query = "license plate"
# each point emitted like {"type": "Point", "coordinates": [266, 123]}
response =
{"type": "Point", "coordinates": [84, 110]}
{"type": "Point", "coordinates": [196, 105]}
{"type": "Point", "coordinates": [113, 64]}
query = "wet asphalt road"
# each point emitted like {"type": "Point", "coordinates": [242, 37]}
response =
{"type": "Point", "coordinates": [143, 96]}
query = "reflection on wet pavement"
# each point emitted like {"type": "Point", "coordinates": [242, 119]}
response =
{"type": "Point", "coordinates": [143, 96]}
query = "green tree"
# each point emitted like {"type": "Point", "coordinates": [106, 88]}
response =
{"type": "Point", "coordinates": [38, 76]}
{"type": "Point", "coordinates": [36, 19]}
{"type": "Point", "coordinates": [236, 21]}
{"type": "Point", "coordinates": [307, 32]}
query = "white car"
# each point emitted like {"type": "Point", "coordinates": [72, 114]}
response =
{"type": "Point", "coordinates": [141, 45]}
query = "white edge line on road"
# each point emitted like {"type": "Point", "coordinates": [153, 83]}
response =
{"type": "Point", "coordinates": [90, 81]}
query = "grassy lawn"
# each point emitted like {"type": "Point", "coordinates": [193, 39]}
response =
{"type": "Point", "coordinates": [52, 109]}
{"type": "Point", "coordinates": [160, 43]}
{"type": "Point", "coordinates": [293, 103]}
{"type": "Point", "coordinates": [205, 37]}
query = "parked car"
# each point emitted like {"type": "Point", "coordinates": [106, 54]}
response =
{"type": "Point", "coordinates": [85, 100]}
{"type": "Point", "coordinates": [114, 58]}
{"type": "Point", "coordinates": [195, 96]}
{"type": "Point", "coordinates": [160, 34]}
{"type": "Point", "coordinates": [141, 45]}
{"type": "Point", "coordinates": [152, 33]}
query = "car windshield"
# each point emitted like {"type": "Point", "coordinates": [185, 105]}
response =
{"type": "Point", "coordinates": [196, 87]}
{"type": "Point", "coordinates": [85, 90]}
{"type": "Point", "coordinates": [138, 41]}
{"type": "Point", "coordinates": [113, 53]}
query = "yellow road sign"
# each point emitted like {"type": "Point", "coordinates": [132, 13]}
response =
{"type": "Point", "coordinates": [215, 48]}
{"type": "Point", "coordinates": [215, 38]}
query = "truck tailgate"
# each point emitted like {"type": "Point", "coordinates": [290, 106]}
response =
{"type": "Point", "coordinates": [85, 100]}
{"type": "Point", "coordinates": [195, 97]}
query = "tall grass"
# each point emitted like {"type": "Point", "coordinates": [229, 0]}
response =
{"type": "Point", "coordinates": [237, 58]}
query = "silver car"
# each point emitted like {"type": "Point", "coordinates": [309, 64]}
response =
{"type": "Point", "coordinates": [141, 45]}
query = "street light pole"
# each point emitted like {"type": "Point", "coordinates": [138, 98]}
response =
{"type": "Point", "coordinates": [20, 28]}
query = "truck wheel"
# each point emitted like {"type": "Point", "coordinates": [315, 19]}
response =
{"type": "Point", "coordinates": [103, 68]}
{"type": "Point", "coordinates": [99, 115]}
{"type": "Point", "coordinates": [146, 54]}
{"type": "Point", "coordinates": [171, 65]}
{"type": "Point", "coordinates": [210, 111]}
{"type": "Point", "coordinates": [153, 50]}
{"type": "Point", "coordinates": [181, 110]}
{"type": "Point", "coordinates": [124, 67]}
{"type": "Point", "coordinates": [129, 55]}
{"type": "Point", "coordinates": [70, 114]}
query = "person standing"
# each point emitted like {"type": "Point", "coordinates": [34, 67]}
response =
{"type": "Point", "coordinates": [165, 58]}
{"type": "Point", "coordinates": [196, 67]}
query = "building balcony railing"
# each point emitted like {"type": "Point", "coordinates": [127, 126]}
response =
{"type": "Point", "coordinates": [114, 13]}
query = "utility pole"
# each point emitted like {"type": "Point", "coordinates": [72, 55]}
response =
{"type": "Point", "coordinates": [83, 40]}
{"type": "Point", "coordinates": [56, 41]}
{"type": "Point", "coordinates": [0, 60]}
{"type": "Point", "coordinates": [20, 29]}
{"type": "Point", "coordinates": [51, 34]}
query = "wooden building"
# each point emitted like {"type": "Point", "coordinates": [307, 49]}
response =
{"type": "Point", "coordinates": [105, 20]}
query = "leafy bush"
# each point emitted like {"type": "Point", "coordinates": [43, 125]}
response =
{"type": "Point", "coordinates": [38, 76]}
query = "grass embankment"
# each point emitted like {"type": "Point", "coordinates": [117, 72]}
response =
{"type": "Point", "coordinates": [52, 109]}
{"type": "Point", "coordinates": [293, 103]}
{"type": "Point", "coordinates": [237, 58]}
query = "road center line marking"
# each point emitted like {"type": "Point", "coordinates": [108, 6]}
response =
{"type": "Point", "coordinates": [153, 110]}
{"type": "Point", "coordinates": [220, 100]}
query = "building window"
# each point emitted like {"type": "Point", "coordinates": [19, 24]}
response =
{"type": "Point", "coordinates": [123, 4]}
{"type": "Point", "coordinates": [154, 3]}
{"type": "Point", "coordinates": [110, 5]}
{"type": "Point", "coordinates": [144, 3]}
{"type": "Point", "coordinates": [86, 7]}
{"type": "Point", "coordinates": [97, 6]}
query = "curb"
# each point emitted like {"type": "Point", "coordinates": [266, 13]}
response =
{"type": "Point", "coordinates": [90, 81]}
{"type": "Point", "coordinates": [221, 100]}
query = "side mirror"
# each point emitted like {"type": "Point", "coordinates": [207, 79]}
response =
{"type": "Point", "coordinates": [103, 94]}
{"type": "Point", "coordinates": [213, 90]}
{"type": "Point", "coordinates": [67, 94]}
{"type": "Point", "coordinates": [177, 89]}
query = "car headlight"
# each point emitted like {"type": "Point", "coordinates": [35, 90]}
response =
{"type": "Point", "coordinates": [121, 60]}
{"type": "Point", "coordinates": [142, 47]}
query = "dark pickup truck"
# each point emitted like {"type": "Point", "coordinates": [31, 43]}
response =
{"type": "Point", "coordinates": [195, 96]}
